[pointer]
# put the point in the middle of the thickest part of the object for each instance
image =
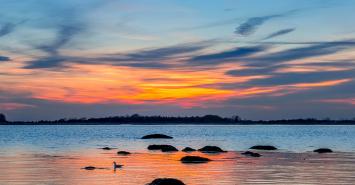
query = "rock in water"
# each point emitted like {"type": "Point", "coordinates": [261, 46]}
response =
{"type": "Point", "coordinates": [323, 150]}
{"type": "Point", "coordinates": [106, 148]}
{"type": "Point", "coordinates": [90, 168]}
{"type": "Point", "coordinates": [163, 148]}
{"type": "Point", "coordinates": [123, 153]}
{"type": "Point", "coordinates": [157, 136]}
{"type": "Point", "coordinates": [166, 181]}
{"type": "Point", "coordinates": [211, 149]}
{"type": "Point", "coordinates": [263, 147]}
{"type": "Point", "coordinates": [188, 149]}
{"type": "Point", "coordinates": [252, 154]}
{"type": "Point", "coordinates": [194, 159]}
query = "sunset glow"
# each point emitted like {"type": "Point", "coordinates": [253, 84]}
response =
{"type": "Point", "coordinates": [178, 56]}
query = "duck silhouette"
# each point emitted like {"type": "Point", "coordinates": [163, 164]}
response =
{"type": "Point", "coordinates": [115, 165]}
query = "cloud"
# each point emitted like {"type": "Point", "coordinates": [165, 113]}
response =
{"type": "Point", "coordinates": [279, 33]}
{"type": "Point", "coordinates": [14, 106]}
{"type": "Point", "coordinates": [64, 34]}
{"type": "Point", "coordinates": [160, 53]}
{"type": "Point", "coordinates": [251, 71]}
{"type": "Point", "coordinates": [221, 57]}
{"type": "Point", "coordinates": [47, 62]}
{"type": "Point", "coordinates": [146, 58]}
{"type": "Point", "coordinates": [293, 78]}
{"type": "Point", "coordinates": [7, 29]}
{"type": "Point", "coordinates": [250, 26]}
{"type": "Point", "coordinates": [313, 50]}
{"type": "Point", "coordinates": [4, 58]}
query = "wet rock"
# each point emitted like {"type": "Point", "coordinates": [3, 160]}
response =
{"type": "Point", "coordinates": [194, 159]}
{"type": "Point", "coordinates": [166, 181]}
{"type": "Point", "coordinates": [123, 153]}
{"type": "Point", "coordinates": [323, 150]}
{"type": "Point", "coordinates": [107, 148]}
{"type": "Point", "coordinates": [252, 154]}
{"type": "Point", "coordinates": [263, 147]}
{"type": "Point", "coordinates": [90, 168]}
{"type": "Point", "coordinates": [211, 149]}
{"type": "Point", "coordinates": [157, 136]}
{"type": "Point", "coordinates": [163, 148]}
{"type": "Point", "coordinates": [188, 149]}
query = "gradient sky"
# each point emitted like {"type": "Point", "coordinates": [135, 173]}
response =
{"type": "Point", "coordinates": [254, 58]}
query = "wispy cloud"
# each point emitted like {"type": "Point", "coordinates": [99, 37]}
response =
{"type": "Point", "coordinates": [313, 50]}
{"type": "Point", "coordinates": [252, 24]}
{"type": "Point", "coordinates": [64, 34]}
{"type": "Point", "coordinates": [4, 58]}
{"type": "Point", "coordinates": [14, 106]}
{"type": "Point", "coordinates": [349, 101]}
{"type": "Point", "coordinates": [145, 58]}
{"type": "Point", "coordinates": [224, 56]}
{"type": "Point", "coordinates": [6, 29]}
{"type": "Point", "coordinates": [279, 33]}
{"type": "Point", "coordinates": [310, 77]}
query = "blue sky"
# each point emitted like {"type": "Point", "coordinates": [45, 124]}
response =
{"type": "Point", "coordinates": [258, 59]}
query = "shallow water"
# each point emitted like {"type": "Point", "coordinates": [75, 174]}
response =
{"type": "Point", "coordinates": [55, 155]}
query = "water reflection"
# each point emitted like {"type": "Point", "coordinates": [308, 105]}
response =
{"type": "Point", "coordinates": [142, 167]}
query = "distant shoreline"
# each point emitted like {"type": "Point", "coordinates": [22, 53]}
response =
{"type": "Point", "coordinates": [164, 120]}
{"type": "Point", "coordinates": [211, 124]}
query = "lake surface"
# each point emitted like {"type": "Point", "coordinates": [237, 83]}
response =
{"type": "Point", "coordinates": [55, 155]}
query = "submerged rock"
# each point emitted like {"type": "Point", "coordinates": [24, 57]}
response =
{"type": "Point", "coordinates": [123, 153]}
{"type": "Point", "coordinates": [263, 147]}
{"type": "Point", "coordinates": [194, 159]}
{"type": "Point", "coordinates": [163, 148]}
{"type": "Point", "coordinates": [188, 149]}
{"type": "Point", "coordinates": [90, 168]}
{"type": "Point", "coordinates": [323, 150]}
{"type": "Point", "coordinates": [157, 136]}
{"type": "Point", "coordinates": [252, 154]}
{"type": "Point", "coordinates": [166, 181]}
{"type": "Point", "coordinates": [211, 149]}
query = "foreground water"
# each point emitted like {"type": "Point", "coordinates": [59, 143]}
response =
{"type": "Point", "coordinates": [55, 155]}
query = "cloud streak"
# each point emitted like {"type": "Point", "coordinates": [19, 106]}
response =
{"type": "Point", "coordinates": [224, 56]}
{"type": "Point", "coordinates": [314, 50]}
{"type": "Point", "coordinates": [252, 24]}
{"type": "Point", "coordinates": [279, 33]}
{"type": "Point", "coordinates": [4, 58]}
{"type": "Point", "coordinates": [146, 58]}
{"type": "Point", "coordinates": [7, 29]}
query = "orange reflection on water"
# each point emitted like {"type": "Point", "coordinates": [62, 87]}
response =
{"type": "Point", "coordinates": [142, 167]}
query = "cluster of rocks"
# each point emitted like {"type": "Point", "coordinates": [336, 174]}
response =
{"type": "Point", "coordinates": [194, 159]}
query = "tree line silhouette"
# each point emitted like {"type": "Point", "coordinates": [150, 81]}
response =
{"type": "Point", "coordinates": [146, 120]}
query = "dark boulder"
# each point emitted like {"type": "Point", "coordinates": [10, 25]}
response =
{"type": "Point", "coordinates": [123, 153]}
{"type": "Point", "coordinates": [89, 168]}
{"type": "Point", "coordinates": [188, 149]}
{"type": "Point", "coordinates": [166, 181]}
{"type": "Point", "coordinates": [106, 148]}
{"type": "Point", "coordinates": [194, 159]}
{"type": "Point", "coordinates": [157, 136]}
{"type": "Point", "coordinates": [323, 150]}
{"type": "Point", "coordinates": [163, 148]}
{"type": "Point", "coordinates": [211, 149]}
{"type": "Point", "coordinates": [263, 147]}
{"type": "Point", "coordinates": [252, 154]}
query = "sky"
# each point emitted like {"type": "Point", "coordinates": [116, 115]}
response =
{"type": "Point", "coordinates": [275, 59]}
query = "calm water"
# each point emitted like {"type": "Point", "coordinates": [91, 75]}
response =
{"type": "Point", "coordinates": [55, 155]}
